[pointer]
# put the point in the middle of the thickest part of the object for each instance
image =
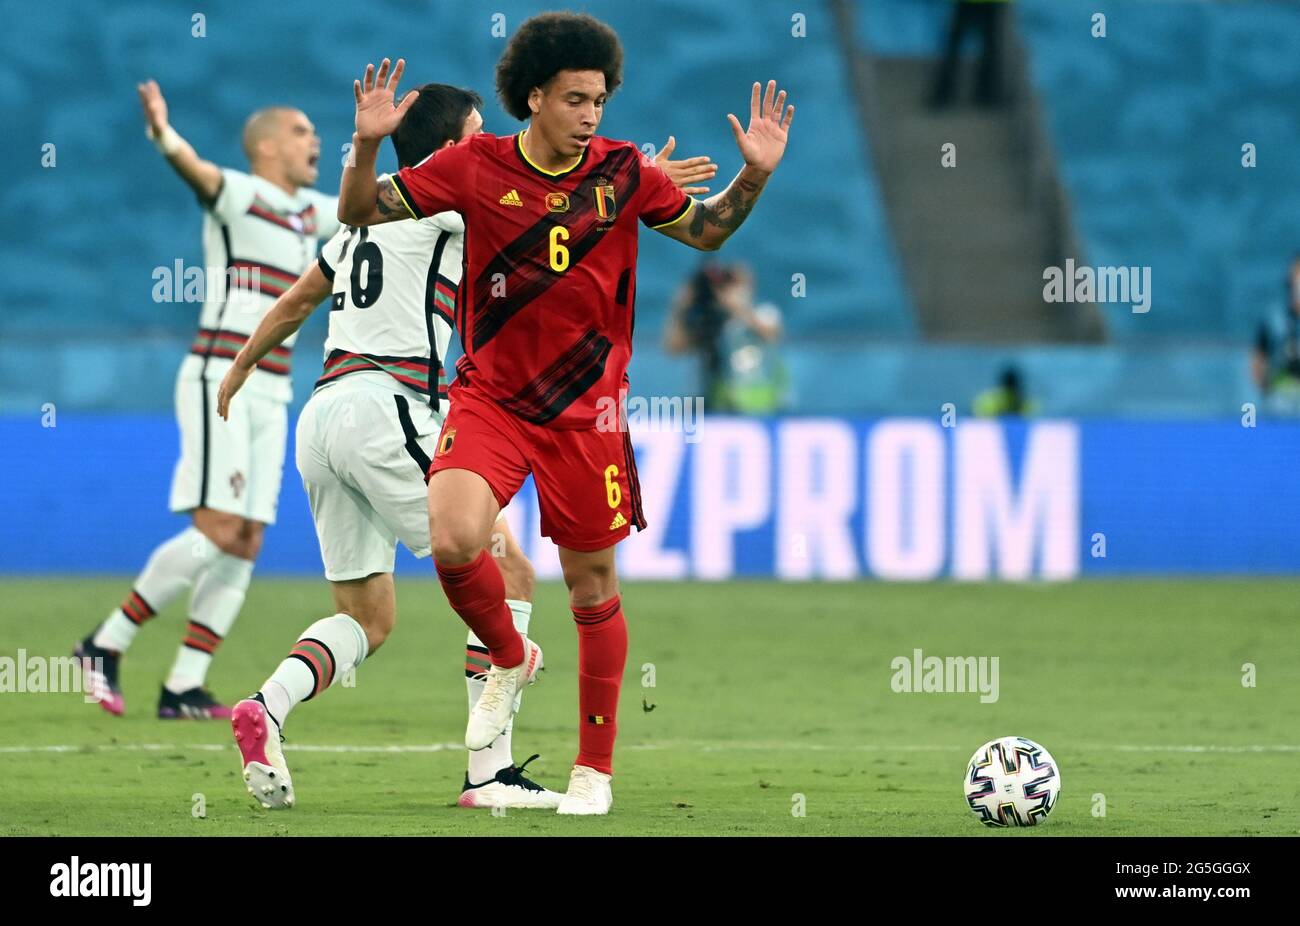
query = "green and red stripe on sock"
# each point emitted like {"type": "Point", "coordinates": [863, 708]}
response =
{"type": "Point", "coordinates": [136, 608]}
{"type": "Point", "coordinates": [319, 660]}
{"type": "Point", "coordinates": [477, 661]}
{"type": "Point", "coordinates": [202, 638]}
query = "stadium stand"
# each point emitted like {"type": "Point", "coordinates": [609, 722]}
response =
{"type": "Point", "coordinates": [79, 311]}
{"type": "Point", "coordinates": [1146, 125]}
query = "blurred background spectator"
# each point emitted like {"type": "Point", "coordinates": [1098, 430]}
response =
{"type": "Point", "coordinates": [1005, 399]}
{"type": "Point", "coordinates": [1275, 361]}
{"type": "Point", "coordinates": [714, 316]}
{"type": "Point", "coordinates": [986, 18]}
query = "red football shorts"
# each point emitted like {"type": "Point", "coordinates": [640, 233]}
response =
{"type": "Point", "coordinates": [586, 482]}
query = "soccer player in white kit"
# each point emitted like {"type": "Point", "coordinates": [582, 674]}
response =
{"type": "Point", "coordinates": [364, 443]}
{"type": "Point", "coordinates": [260, 232]}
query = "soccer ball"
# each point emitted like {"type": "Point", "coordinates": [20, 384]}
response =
{"type": "Point", "coordinates": [1012, 781]}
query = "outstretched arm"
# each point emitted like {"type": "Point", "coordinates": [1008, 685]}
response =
{"type": "Point", "coordinates": [281, 321]}
{"type": "Point", "coordinates": [362, 199]}
{"type": "Point", "coordinates": [204, 177]}
{"type": "Point", "coordinates": [712, 221]}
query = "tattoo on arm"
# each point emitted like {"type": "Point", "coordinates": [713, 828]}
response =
{"type": "Point", "coordinates": [728, 210]}
{"type": "Point", "coordinates": [389, 201]}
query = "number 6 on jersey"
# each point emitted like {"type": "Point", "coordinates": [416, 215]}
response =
{"type": "Point", "coordinates": [559, 253]}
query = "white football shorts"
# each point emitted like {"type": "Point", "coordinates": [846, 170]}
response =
{"type": "Point", "coordinates": [363, 446]}
{"type": "Point", "coordinates": [233, 466]}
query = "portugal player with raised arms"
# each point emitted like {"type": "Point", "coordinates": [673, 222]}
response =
{"type": "Point", "coordinates": [545, 316]}
{"type": "Point", "coordinates": [261, 229]}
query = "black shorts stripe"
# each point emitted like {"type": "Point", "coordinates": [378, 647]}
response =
{"type": "Point", "coordinates": [633, 482]}
{"type": "Point", "coordinates": [412, 438]}
{"type": "Point", "coordinates": [207, 439]}
{"type": "Point", "coordinates": [325, 268]}
{"type": "Point", "coordinates": [203, 379]}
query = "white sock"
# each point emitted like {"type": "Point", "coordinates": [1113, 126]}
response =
{"type": "Point", "coordinates": [325, 651]}
{"type": "Point", "coordinates": [485, 763]}
{"type": "Point", "coordinates": [218, 596]}
{"type": "Point", "coordinates": [172, 568]}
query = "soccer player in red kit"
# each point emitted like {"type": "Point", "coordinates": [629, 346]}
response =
{"type": "Point", "coordinates": [545, 316]}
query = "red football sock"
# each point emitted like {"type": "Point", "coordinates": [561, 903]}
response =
{"type": "Point", "coordinates": [602, 655]}
{"type": "Point", "coordinates": [478, 594]}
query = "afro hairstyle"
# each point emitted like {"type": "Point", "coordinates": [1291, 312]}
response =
{"type": "Point", "coordinates": [552, 42]}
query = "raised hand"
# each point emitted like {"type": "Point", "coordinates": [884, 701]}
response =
{"type": "Point", "coordinates": [377, 112]}
{"type": "Point", "coordinates": [689, 171]}
{"type": "Point", "coordinates": [155, 107]}
{"type": "Point", "coordinates": [763, 143]}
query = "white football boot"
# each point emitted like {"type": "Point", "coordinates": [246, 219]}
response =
{"type": "Point", "coordinates": [258, 737]}
{"type": "Point", "coordinates": [589, 793]}
{"type": "Point", "coordinates": [496, 705]}
{"type": "Point", "coordinates": [510, 789]}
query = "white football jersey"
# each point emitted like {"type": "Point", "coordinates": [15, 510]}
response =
{"type": "Point", "coordinates": [394, 301]}
{"type": "Point", "coordinates": [263, 239]}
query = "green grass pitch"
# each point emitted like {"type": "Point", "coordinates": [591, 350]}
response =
{"type": "Point", "coordinates": [763, 693]}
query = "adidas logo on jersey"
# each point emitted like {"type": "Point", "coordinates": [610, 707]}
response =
{"type": "Point", "coordinates": [619, 521]}
{"type": "Point", "coordinates": [511, 199]}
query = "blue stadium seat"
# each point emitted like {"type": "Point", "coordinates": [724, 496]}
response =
{"type": "Point", "coordinates": [1149, 124]}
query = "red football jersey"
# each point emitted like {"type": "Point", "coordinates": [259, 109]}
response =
{"type": "Point", "coordinates": [545, 305]}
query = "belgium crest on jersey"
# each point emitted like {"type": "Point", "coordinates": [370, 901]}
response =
{"type": "Point", "coordinates": [606, 207]}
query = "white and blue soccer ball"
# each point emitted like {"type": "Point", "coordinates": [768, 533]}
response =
{"type": "Point", "coordinates": [1012, 781]}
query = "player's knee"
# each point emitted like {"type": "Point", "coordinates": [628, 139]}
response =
{"type": "Point", "coordinates": [249, 542]}
{"type": "Point", "coordinates": [592, 586]}
{"type": "Point", "coordinates": [454, 540]}
{"type": "Point", "coordinates": [231, 534]}
{"type": "Point", "coordinates": [243, 540]}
